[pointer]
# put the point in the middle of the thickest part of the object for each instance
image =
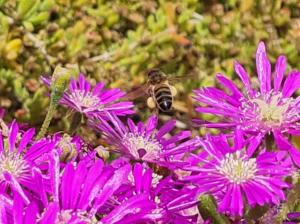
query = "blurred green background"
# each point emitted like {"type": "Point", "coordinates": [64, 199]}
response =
{"type": "Point", "coordinates": [117, 41]}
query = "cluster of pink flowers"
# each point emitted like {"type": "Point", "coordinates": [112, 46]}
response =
{"type": "Point", "coordinates": [155, 176]}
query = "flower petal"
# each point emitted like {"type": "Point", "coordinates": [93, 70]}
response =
{"type": "Point", "coordinates": [291, 84]}
{"type": "Point", "coordinates": [13, 132]}
{"type": "Point", "coordinates": [239, 69]}
{"type": "Point", "coordinates": [263, 68]}
{"type": "Point", "coordinates": [279, 72]}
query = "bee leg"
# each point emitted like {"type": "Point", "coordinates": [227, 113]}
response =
{"type": "Point", "coordinates": [173, 90]}
{"type": "Point", "coordinates": [151, 103]}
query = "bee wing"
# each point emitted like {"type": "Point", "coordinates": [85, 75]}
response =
{"type": "Point", "coordinates": [134, 94]}
{"type": "Point", "coordinates": [173, 79]}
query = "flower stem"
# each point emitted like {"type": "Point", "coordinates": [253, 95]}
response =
{"type": "Point", "coordinates": [60, 77]}
{"type": "Point", "coordinates": [48, 119]}
{"type": "Point", "coordinates": [76, 120]}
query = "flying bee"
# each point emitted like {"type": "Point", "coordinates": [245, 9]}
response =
{"type": "Point", "coordinates": [159, 90]}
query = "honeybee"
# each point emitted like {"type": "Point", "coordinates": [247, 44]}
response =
{"type": "Point", "coordinates": [159, 90]}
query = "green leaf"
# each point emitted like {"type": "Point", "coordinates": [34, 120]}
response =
{"type": "Point", "coordinates": [46, 5]}
{"type": "Point", "coordinates": [208, 210]}
{"type": "Point", "coordinates": [4, 25]}
{"type": "Point", "coordinates": [39, 18]}
{"type": "Point", "coordinates": [28, 26]}
{"type": "Point", "coordinates": [256, 212]}
{"type": "Point", "coordinates": [27, 8]}
{"type": "Point", "coordinates": [19, 90]}
{"type": "Point", "coordinates": [2, 2]}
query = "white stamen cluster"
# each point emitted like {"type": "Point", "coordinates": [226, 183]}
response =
{"type": "Point", "coordinates": [135, 142]}
{"type": "Point", "coordinates": [13, 163]}
{"type": "Point", "coordinates": [236, 168]}
{"type": "Point", "coordinates": [84, 99]}
{"type": "Point", "coordinates": [272, 112]}
{"type": "Point", "coordinates": [269, 111]}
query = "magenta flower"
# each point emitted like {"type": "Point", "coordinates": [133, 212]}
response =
{"type": "Point", "coordinates": [79, 192]}
{"type": "Point", "coordinates": [173, 202]}
{"type": "Point", "coordinates": [292, 218]}
{"type": "Point", "coordinates": [93, 101]}
{"type": "Point", "coordinates": [272, 108]}
{"type": "Point", "coordinates": [16, 211]}
{"type": "Point", "coordinates": [237, 179]}
{"type": "Point", "coordinates": [145, 141]}
{"type": "Point", "coordinates": [19, 154]}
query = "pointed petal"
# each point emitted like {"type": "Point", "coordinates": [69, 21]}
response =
{"type": "Point", "coordinates": [263, 68]}
{"type": "Point", "coordinates": [236, 93]}
{"type": "Point", "coordinates": [254, 143]}
{"type": "Point", "coordinates": [37, 176]}
{"type": "Point", "coordinates": [168, 126]}
{"type": "Point", "coordinates": [238, 138]}
{"type": "Point", "coordinates": [147, 180]}
{"type": "Point", "coordinates": [110, 187]}
{"type": "Point", "coordinates": [138, 177]}
{"type": "Point", "coordinates": [13, 132]}
{"type": "Point", "coordinates": [26, 138]}
{"type": "Point", "coordinates": [31, 213]}
{"type": "Point", "coordinates": [16, 186]}
{"type": "Point", "coordinates": [283, 144]}
{"type": "Point", "coordinates": [151, 124]}
{"type": "Point", "coordinates": [224, 205]}
{"type": "Point", "coordinates": [18, 208]}
{"type": "Point", "coordinates": [239, 69]}
{"type": "Point", "coordinates": [133, 206]}
{"type": "Point", "coordinates": [93, 175]}
{"type": "Point", "coordinates": [3, 214]}
{"type": "Point", "coordinates": [50, 214]}
{"type": "Point", "coordinates": [279, 72]}
{"type": "Point", "coordinates": [54, 174]}
{"type": "Point", "coordinates": [78, 181]}
{"type": "Point", "coordinates": [81, 81]}
{"type": "Point", "coordinates": [66, 182]}
{"type": "Point", "coordinates": [291, 84]}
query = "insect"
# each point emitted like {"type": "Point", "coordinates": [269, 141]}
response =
{"type": "Point", "coordinates": [159, 90]}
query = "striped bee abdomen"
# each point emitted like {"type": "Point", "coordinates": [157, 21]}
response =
{"type": "Point", "coordinates": [163, 97]}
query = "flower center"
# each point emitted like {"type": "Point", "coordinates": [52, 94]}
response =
{"type": "Point", "coordinates": [236, 168]}
{"type": "Point", "coordinates": [269, 111]}
{"type": "Point", "coordinates": [272, 111]}
{"type": "Point", "coordinates": [12, 163]}
{"type": "Point", "coordinates": [140, 145]}
{"type": "Point", "coordinates": [85, 99]}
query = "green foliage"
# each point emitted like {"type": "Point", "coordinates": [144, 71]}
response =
{"type": "Point", "coordinates": [207, 209]}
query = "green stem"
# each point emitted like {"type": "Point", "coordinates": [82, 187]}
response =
{"type": "Point", "coordinates": [49, 116]}
{"type": "Point", "coordinates": [76, 120]}
{"type": "Point", "coordinates": [61, 77]}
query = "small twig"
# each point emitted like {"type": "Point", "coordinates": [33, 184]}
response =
{"type": "Point", "coordinates": [40, 45]}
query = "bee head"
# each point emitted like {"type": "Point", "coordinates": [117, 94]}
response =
{"type": "Point", "coordinates": [156, 76]}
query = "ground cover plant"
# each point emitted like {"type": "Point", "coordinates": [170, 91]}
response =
{"type": "Point", "coordinates": [74, 148]}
